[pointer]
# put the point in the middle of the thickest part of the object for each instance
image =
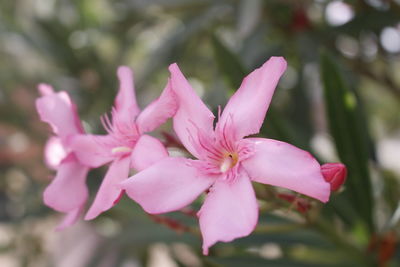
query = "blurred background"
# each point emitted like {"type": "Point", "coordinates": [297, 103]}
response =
{"type": "Point", "coordinates": [339, 99]}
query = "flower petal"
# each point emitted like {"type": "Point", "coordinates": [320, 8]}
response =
{"type": "Point", "coordinates": [58, 110]}
{"type": "Point", "coordinates": [281, 164]}
{"type": "Point", "coordinates": [54, 152]}
{"type": "Point", "coordinates": [70, 218]}
{"type": "Point", "coordinates": [247, 107]}
{"type": "Point", "coordinates": [168, 185]}
{"type": "Point", "coordinates": [158, 111]}
{"type": "Point", "coordinates": [92, 150]}
{"type": "Point", "coordinates": [125, 102]}
{"type": "Point", "coordinates": [109, 190]}
{"type": "Point", "coordinates": [68, 189]}
{"type": "Point", "coordinates": [229, 211]}
{"type": "Point", "coordinates": [148, 150]}
{"type": "Point", "coordinates": [192, 115]}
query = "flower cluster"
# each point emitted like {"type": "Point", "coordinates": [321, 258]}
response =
{"type": "Point", "coordinates": [223, 164]}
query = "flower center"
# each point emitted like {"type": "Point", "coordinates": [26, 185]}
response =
{"type": "Point", "coordinates": [229, 160]}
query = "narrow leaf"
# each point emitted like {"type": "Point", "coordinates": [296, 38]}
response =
{"type": "Point", "coordinates": [351, 137]}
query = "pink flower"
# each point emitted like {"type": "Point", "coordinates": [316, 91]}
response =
{"type": "Point", "coordinates": [335, 174]}
{"type": "Point", "coordinates": [226, 162]}
{"type": "Point", "coordinates": [67, 192]}
{"type": "Point", "coordinates": [125, 145]}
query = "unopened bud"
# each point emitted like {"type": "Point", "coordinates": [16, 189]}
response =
{"type": "Point", "coordinates": [335, 174]}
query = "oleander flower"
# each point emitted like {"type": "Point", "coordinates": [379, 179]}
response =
{"type": "Point", "coordinates": [67, 193]}
{"type": "Point", "coordinates": [226, 162]}
{"type": "Point", "coordinates": [335, 174]}
{"type": "Point", "coordinates": [126, 145]}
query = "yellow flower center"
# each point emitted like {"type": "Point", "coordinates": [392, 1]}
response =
{"type": "Point", "coordinates": [230, 160]}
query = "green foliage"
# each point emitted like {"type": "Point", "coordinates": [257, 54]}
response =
{"type": "Point", "coordinates": [351, 137]}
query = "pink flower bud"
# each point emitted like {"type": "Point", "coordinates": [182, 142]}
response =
{"type": "Point", "coordinates": [335, 174]}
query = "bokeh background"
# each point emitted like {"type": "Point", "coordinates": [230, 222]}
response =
{"type": "Point", "coordinates": [339, 99]}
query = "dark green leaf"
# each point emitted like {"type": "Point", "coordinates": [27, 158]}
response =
{"type": "Point", "coordinates": [229, 63]}
{"type": "Point", "coordinates": [350, 135]}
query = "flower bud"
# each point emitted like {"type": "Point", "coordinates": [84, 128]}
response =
{"type": "Point", "coordinates": [335, 174]}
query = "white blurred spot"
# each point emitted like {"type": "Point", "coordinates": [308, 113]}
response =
{"type": "Point", "coordinates": [347, 45]}
{"type": "Point", "coordinates": [323, 147]}
{"type": "Point", "coordinates": [379, 4]}
{"type": "Point", "coordinates": [74, 246]}
{"type": "Point", "coordinates": [390, 39]}
{"type": "Point", "coordinates": [6, 236]}
{"type": "Point", "coordinates": [389, 154]}
{"type": "Point", "coordinates": [17, 182]}
{"type": "Point", "coordinates": [185, 255]}
{"type": "Point", "coordinates": [338, 13]}
{"type": "Point", "coordinates": [271, 251]}
{"type": "Point", "coordinates": [8, 260]}
{"type": "Point", "coordinates": [396, 217]}
{"type": "Point", "coordinates": [44, 8]}
{"type": "Point", "coordinates": [18, 142]}
{"type": "Point", "coordinates": [197, 86]}
{"type": "Point", "coordinates": [130, 263]}
{"type": "Point", "coordinates": [368, 42]}
{"type": "Point", "coordinates": [67, 14]}
{"type": "Point", "coordinates": [315, 12]}
{"type": "Point", "coordinates": [176, 152]}
{"type": "Point", "coordinates": [160, 256]}
{"type": "Point", "coordinates": [87, 127]}
{"type": "Point", "coordinates": [107, 227]}
{"type": "Point", "coordinates": [248, 17]}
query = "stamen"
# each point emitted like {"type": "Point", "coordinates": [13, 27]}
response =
{"type": "Point", "coordinates": [106, 122]}
{"type": "Point", "coordinates": [226, 164]}
{"type": "Point", "coordinates": [121, 149]}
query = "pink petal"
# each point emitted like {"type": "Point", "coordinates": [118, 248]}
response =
{"type": "Point", "coordinates": [125, 102]}
{"type": "Point", "coordinates": [168, 185]}
{"type": "Point", "coordinates": [109, 191]}
{"type": "Point", "coordinates": [68, 189]}
{"type": "Point", "coordinates": [45, 89]}
{"type": "Point", "coordinates": [92, 150]}
{"type": "Point", "coordinates": [70, 218]}
{"type": "Point", "coordinates": [230, 211]}
{"type": "Point", "coordinates": [247, 107]}
{"type": "Point", "coordinates": [158, 111]}
{"type": "Point", "coordinates": [281, 164]}
{"type": "Point", "coordinates": [192, 114]}
{"type": "Point", "coordinates": [57, 110]}
{"type": "Point", "coordinates": [54, 152]}
{"type": "Point", "coordinates": [148, 150]}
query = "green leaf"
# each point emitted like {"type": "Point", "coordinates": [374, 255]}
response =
{"type": "Point", "coordinates": [348, 129]}
{"type": "Point", "coordinates": [229, 63]}
{"type": "Point", "coordinates": [369, 20]}
{"type": "Point", "coordinates": [253, 261]}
